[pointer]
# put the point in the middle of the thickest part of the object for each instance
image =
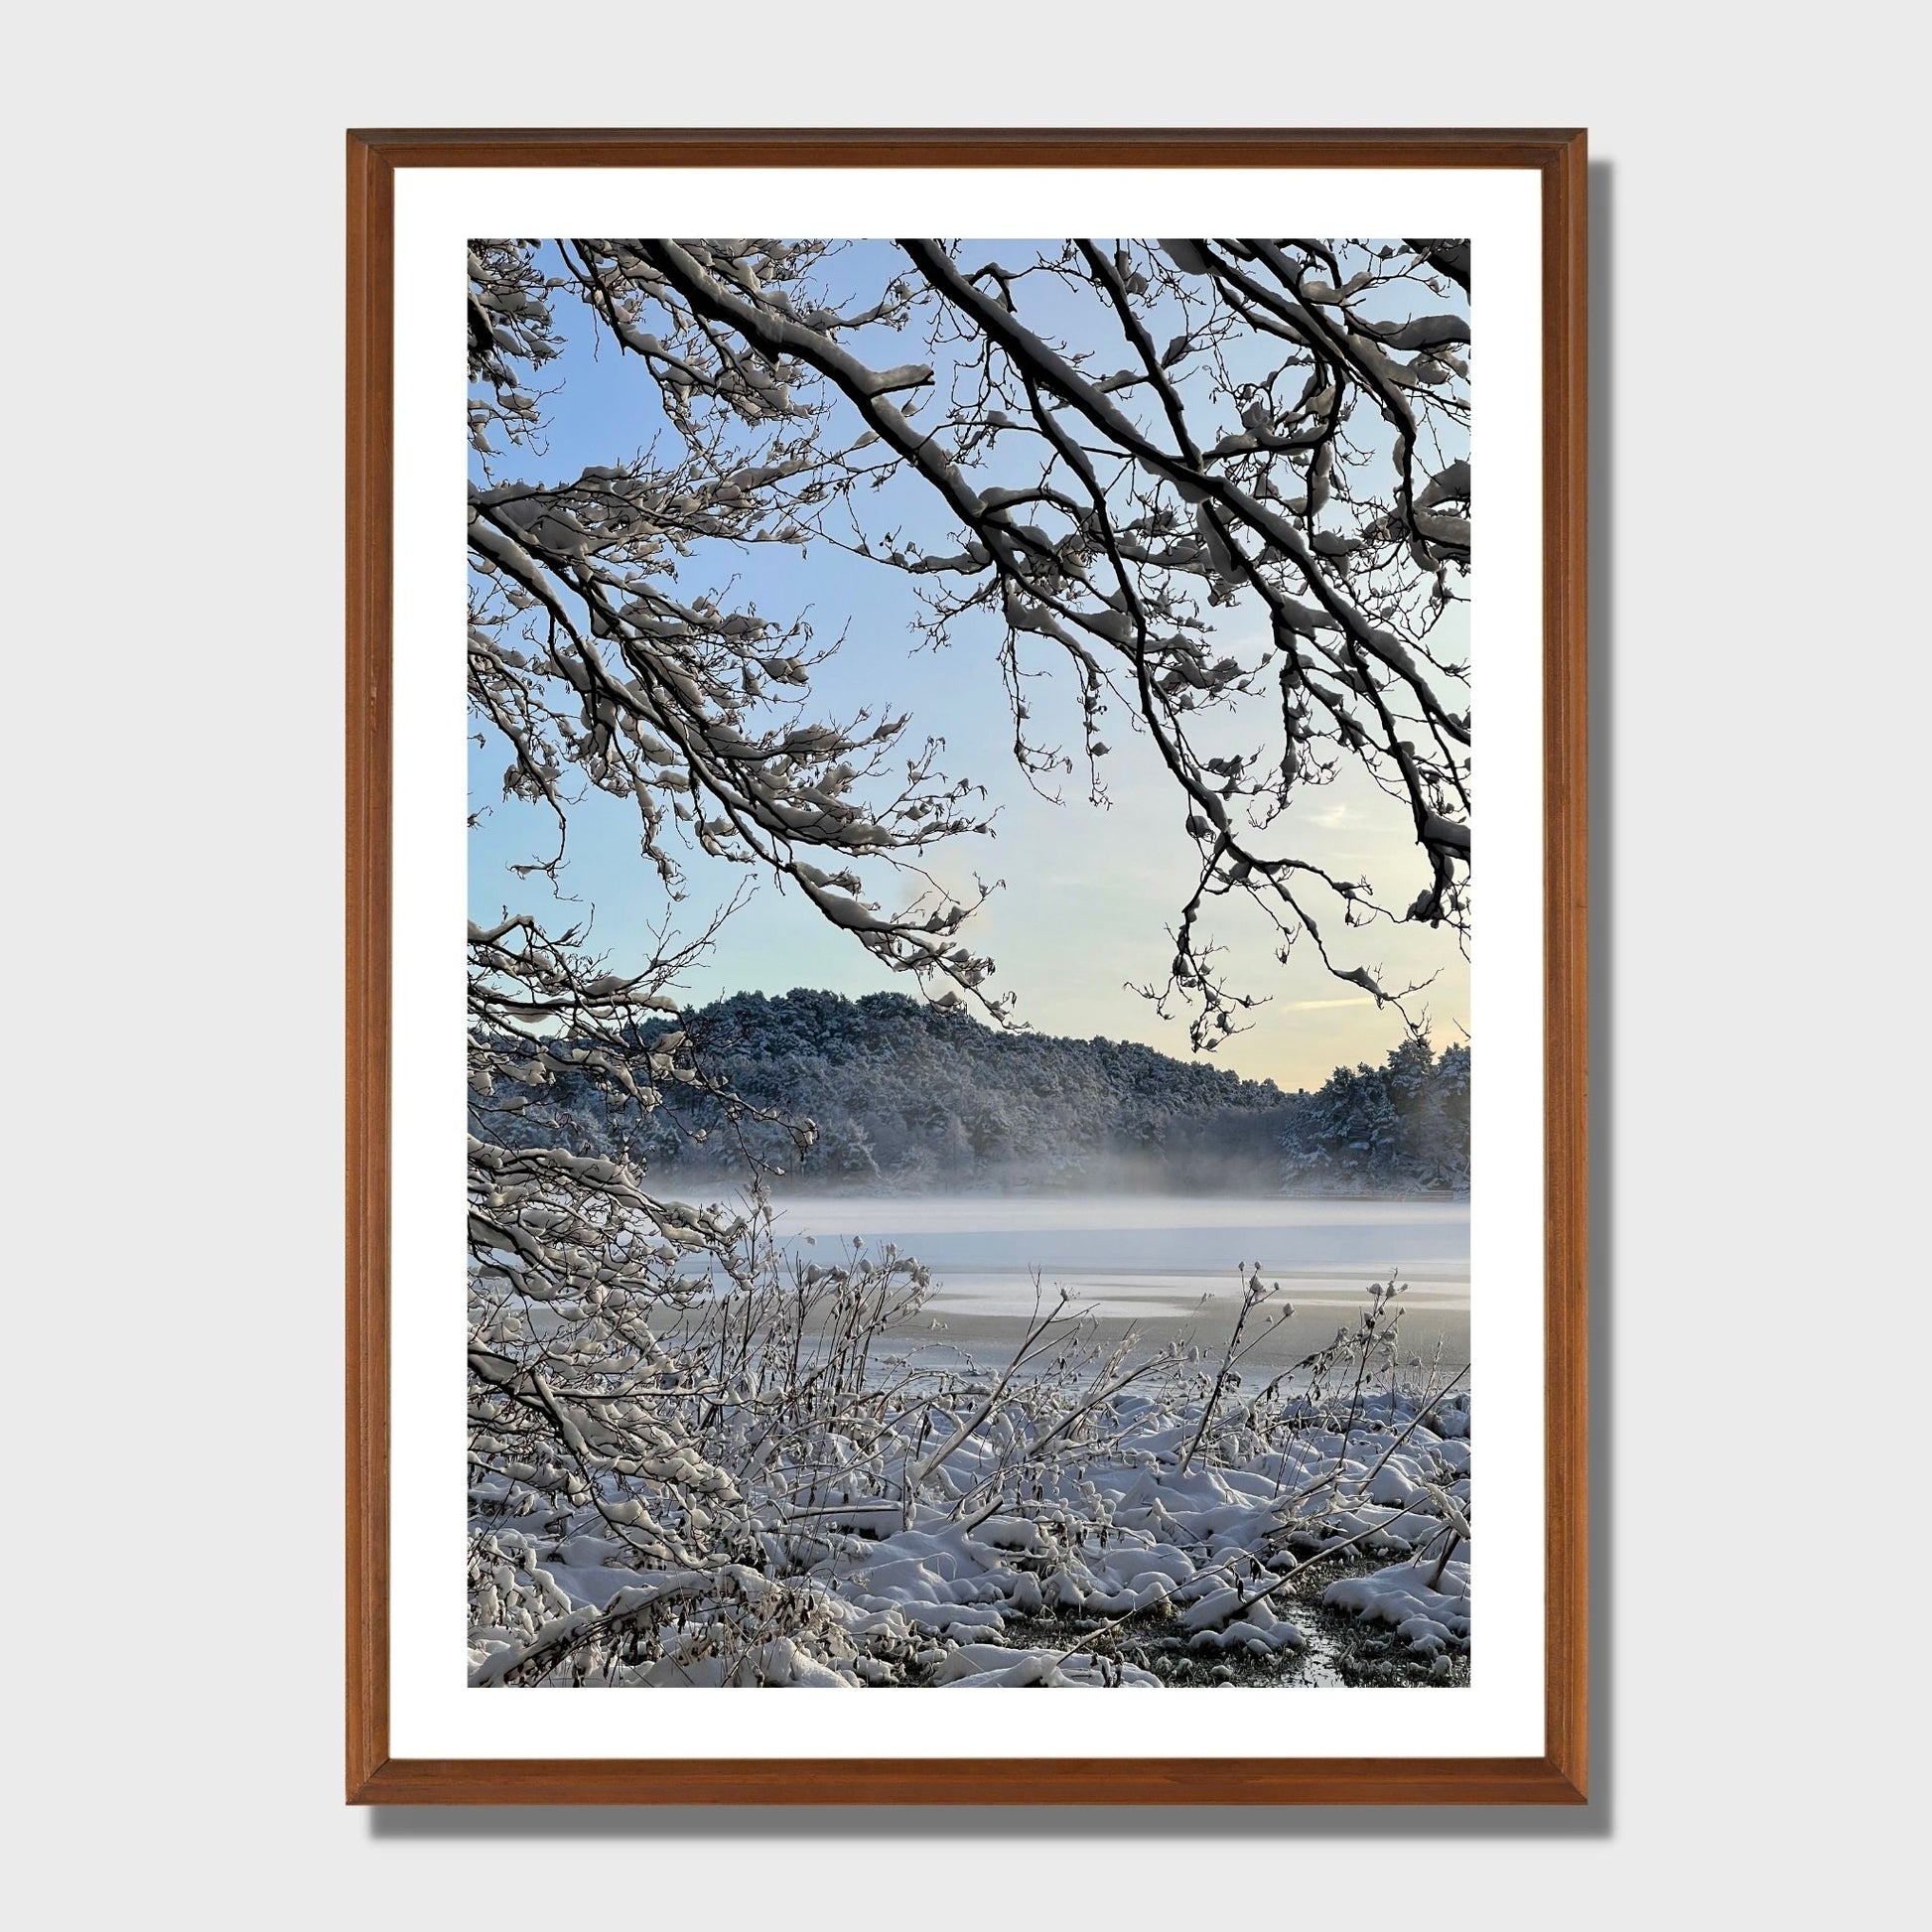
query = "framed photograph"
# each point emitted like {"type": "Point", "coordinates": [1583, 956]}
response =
{"type": "Point", "coordinates": [949, 1155]}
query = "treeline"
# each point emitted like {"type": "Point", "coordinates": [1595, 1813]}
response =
{"type": "Point", "coordinates": [903, 1096]}
{"type": "Point", "coordinates": [1399, 1128]}
{"type": "Point", "coordinates": [906, 1097]}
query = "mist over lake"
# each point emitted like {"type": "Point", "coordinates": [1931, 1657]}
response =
{"type": "Point", "coordinates": [1162, 1261]}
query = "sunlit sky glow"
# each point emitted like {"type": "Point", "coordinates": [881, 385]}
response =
{"type": "Point", "coordinates": [1088, 892]}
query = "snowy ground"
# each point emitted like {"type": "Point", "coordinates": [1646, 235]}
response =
{"type": "Point", "coordinates": [1185, 1508]}
{"type": "Point", "coordinates": [1155, 1575]}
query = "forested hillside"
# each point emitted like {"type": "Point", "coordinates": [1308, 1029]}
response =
{"type": "Point", "coordinates": [1399, 1128]}
{"type": "Point", "coordinates": [906, 1097]}
{"type": "Point", "coordinates": [901, 1095]}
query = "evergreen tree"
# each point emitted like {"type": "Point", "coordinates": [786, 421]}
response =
{"type": "Point", "coordinates": [1401, 1127]}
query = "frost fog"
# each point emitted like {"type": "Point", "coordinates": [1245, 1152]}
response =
{"type": "Point", "coordinates": [1163, 1263]}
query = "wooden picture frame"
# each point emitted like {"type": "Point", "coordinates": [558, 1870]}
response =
{"type": "Point", "coordinates": [1554, 1776]}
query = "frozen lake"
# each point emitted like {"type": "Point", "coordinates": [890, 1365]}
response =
{"type": "Point", "coordinates": [1162, 1261]}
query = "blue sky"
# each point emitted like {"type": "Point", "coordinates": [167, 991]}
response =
{"type": "Point", "coordinates": [1088, 892]}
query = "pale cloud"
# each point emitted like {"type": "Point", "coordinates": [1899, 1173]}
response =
{"type": "Point", "coordinates": [1314, 1006]}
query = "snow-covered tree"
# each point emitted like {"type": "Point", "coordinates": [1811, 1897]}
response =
{"type": "Point", "coordinates": [1401, 1127]}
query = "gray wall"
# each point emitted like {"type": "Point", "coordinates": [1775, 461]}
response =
{"type": "Point", "coordinates": [175, 911]}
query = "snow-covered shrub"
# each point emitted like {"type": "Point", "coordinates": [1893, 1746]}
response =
{"type": "Point", "coordinates": [785, 1491]}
